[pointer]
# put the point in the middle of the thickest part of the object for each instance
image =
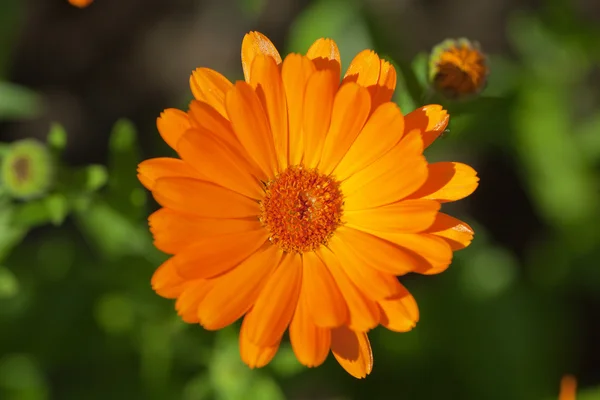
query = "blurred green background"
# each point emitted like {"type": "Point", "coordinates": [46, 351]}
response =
{"type": "Point", "coordinates": [516, 310]}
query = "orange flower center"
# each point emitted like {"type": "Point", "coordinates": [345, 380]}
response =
{"type": "Point", "coordinates": [301, 209]}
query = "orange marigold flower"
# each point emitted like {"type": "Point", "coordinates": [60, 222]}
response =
{"type": "Point", "coordinates": [297, 200]}
{"type": "Point", "coordinates": [458, 69]}
{"type": "Point", "coordinates": [81, 3]}
{"type": "Point", "coordinates": [568, 388]}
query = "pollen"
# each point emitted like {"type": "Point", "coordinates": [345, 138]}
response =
{"type": "Point", "coordinates": [301, 209]}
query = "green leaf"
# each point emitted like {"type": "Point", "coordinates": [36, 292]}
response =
{"type": "Point", "coordinates": [123, 185]}
{"type": "Point", "coordinates": [18, 102]}
{"type": "Point", "coordinates": [340, 20]}
{"type": "Point", "coordinates": [57, 138]}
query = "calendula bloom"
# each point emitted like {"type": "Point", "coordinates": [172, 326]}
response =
{"type": "Point", "coordinates": [297, 200]}
{"type": "Point", "coordinates": [568, 388]}
{"type": "Point", "coordinates": [27, 169]}
{"type": "Point", "coordinates": [458, 69]}
{"type": "Point", "coordinates": [81, 3]}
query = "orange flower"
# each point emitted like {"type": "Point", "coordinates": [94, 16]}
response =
{"type": "Point", "coordinates": [458, 68]}
{"type": "Point", "coordinates": [81, 3]}
{"type": "Point", "coordinates": [568, 388]}
{"type": "Point", "coordinates": [297, 201]}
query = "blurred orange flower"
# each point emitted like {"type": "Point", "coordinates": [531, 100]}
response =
{"type": "Point", "coordinates": [458, 68]}
{"type": "Point", "coordinates": [568, 388]}
{"type": "Point", "coordinates": [81, 3]}
{"type": "Point", "coordinates": [297, 200]}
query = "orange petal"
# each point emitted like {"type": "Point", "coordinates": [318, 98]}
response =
{"type": "Point", "coordinates": [174, 231]}
{"type": "Point", "coordinates": [234, 292]}
{"type": "Point", "coordinates": [251, 126]}
{"type": "Point", "coordinates": [384, 90]}
{"type": "Point", "coordinates": [381, 133]}
{"type": "Point", "coordinates": [266, 79]}
{"type": "Point", "coordinates": [351, 108]}
{"type": "Point", "coordinates": [448, 181]}
{"type": "Point", "coordinates": [393, 177]}
{"type": "Point", "coordinates": [218, 163]}
{"type": "Point", "coordinates": [374, 283]}
{"type": "Point", "coordinates": [454, 231]}
{"type": "Point", "coordinates": [203, 198]}
{"type": "Point", "coordinates": [326, 56]}
{"type": "Point", "coordinates": [187, 304]}
{"type": "Point", "coordinates": [255, 356]}
{"type": "Point", "coordinates": [295, 72]}
{"type": "Point", "coordinates": [381, 254]}
{"type": "Point", "coordinates": [274, 308]}
{"type": "Point", "coordinates": [373, 73]}
{"type": "Point", "coordinates": [568, 388]}
{"type": "Point", "coordinates": [399, 313]}
{"type": "Point", "coordinates": [151, 170]}
{"type": "Point", "coordinates": [214, 255]}
{"type": "Point", "coordinates": [255, 43]}
{"type": "Point", "coordinates": [405, 216]}
{"type": "Point", "coordinates": [210, 87]}
{"type": "Point", "coordinates": [310, 342]}
{"type": "Point", "coordinates": [171, 125]}
{"type": "Point", "coordinates": [364, 69]}
{"type": "Point", "coordinates": [431, 120]}
{"type": "Point", "coordinates": [323, 298]}
{"type": "Point", "coordinates": [431, 248]}
{"type": "Point", "coordinates": [353, 351]}
{"type": "Point", "coordinates": [167, 282]}
{"type": "Point", "coordinates": [363, 313]}
{"type": "Point", "coordinates": [203, 115]}
{"type": "Point", "coordinates": [208, 120]}
{"type": "Point", "coordinates": [318, 103]}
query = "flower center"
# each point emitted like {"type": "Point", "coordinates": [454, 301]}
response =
{"type": "Point", "coordinates": [301, 209]}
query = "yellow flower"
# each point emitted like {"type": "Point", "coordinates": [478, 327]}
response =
{"type": "Point", "coordinates": [297, 201]}
{"type": "Point", "coordinates": [458, 69]}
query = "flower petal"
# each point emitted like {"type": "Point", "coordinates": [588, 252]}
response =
{"type": "Point", "coordinates": [235, 291]}
{"type": "Point", "coordinates": [187, 303]}
{"type": "Point", "coordinates": [430, 120]}
{"type": "Point", "coordinates": [454, 231]}
{"type": "Point", "coordinates": [373, 73]}
{"type": "Point", "coordinates": [151, 170]}
{"type": "Point", "coordinates": [405, 216]}
{"type": "Point", "coordinates": [325, 55]}
{"type": "Point", "coordinates": [448, 181]}
{"type": "Point", "coordinates": [266, 79]}
{"type": "Point", "coordinates": [353, 351]}
{"type": "Point", "coordinates": [255, 43]}
{"type": "Point", "coordinates": [324, 300]}
{"type": "Point", "coordinates": [310, 342]}
{"type": "Point", "coordinates": [203, 115]}
{"type": "Point", "coordinates": [218, 163]}
{"type": "Point", "coordinates": [214, 255]}
{"type": "Point", "coordinates": [318, 103]}
{"type": "Point", "coordinates": [351, 108]}
{"type": "Point", "coordinates": [167, 282]}
{"type": "Point", "coordinates": [363, 313]}
{"type": "Point", "coordinates": [434, 250]}
{"type": "Point", "coordinates": [174, 231]}
{"type": "Point", "coordinates": [393, 177]}
{"type": "Point", "coordinates": [399, 313]}
{"type": "Point", "coordinates": [274, 308]}
{"type": "Point", "coordinates": [295, 71]}
{"type": "Point", "coordinates": [171, 125]}
{"type": "Point", "coordinates": [251, 126]}
{"type": "Point", "coordinates": [381, 133]}
{"type": "Point", "coordinates": [210, 87]}
{"type": "Point", "coordinates": [253, 355]}
{"type": "Point", "coordinates": [374, 283]}
{"type": "Point", "coordinates": [203, 198]}
{"type": "Point", "coordinates": [381, 254]}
